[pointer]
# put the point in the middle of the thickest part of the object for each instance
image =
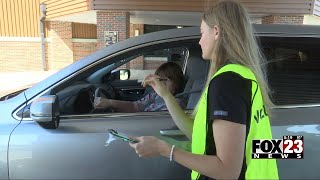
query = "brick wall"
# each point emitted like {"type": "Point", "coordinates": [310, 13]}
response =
{"type": "Point", "coordinates": [137, 63]}
{"type": "Point", "coordinates": [112, 21]}
{"type": "Point", "coordinates": [152, 64]}
{"type": "Point", "coordinates": [20, 56]}
{"type": "Point", "coordinates": [24, 54]}
{"type": "Point", "coordinates": [60, 50]}
{"type": "Point", "coordinates": [139, 27]}
{"type": "Point", "coordinates": [272, 19]}
{"type": "Point", "coordinates": [82, 49]}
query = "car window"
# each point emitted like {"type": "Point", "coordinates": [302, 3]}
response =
{"type": "Point", "coordinates": [120, 81]}
{"type": "Point", "coordinates": [148, 62]}
{"type": "Point", "coordinates": [77, 93]}
{"type": "Point", "coordinates": [294, 66]}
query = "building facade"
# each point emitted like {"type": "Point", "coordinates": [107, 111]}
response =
{"type": "Point", "coordinates": [35, 37]}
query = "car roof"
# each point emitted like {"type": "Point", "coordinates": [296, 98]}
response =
{"type": "Point", "coordinates": [287, 30]}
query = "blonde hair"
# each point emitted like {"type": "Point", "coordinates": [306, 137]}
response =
{"type": "Point", "coordinates": [236, 44]}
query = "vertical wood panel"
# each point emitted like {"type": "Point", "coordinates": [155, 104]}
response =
{"type": "Point", "coordinates": [6, 19]}
{"type": "Point", "coordinates": [35, 22]}
{"type": "Point", "coordinates": [13, 19]}
{"type": "Point", "coordinates": [9, 18]}
{"type": "Point", "coordinates": [16, 17]}
{"type": "Point", "coordinates": [32, 17]}
{"type": "Point", "coordinates": [37, 18]}
{"type": "Point", "coordinates": [84, 31]}
{"type": "Point", "coordinates": [24, 19]}
{"type": "Point", "coordinates": [28, 18]}
{"type": "Point", "coordinates": [2, 25]}
{"type": "Point", "coordinates": [21, 18]}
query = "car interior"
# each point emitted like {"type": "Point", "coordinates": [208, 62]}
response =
{"type": "Point", "coordinates": [122, 79]}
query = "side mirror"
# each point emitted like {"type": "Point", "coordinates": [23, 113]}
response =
{"type": "Point", "coordinates": [45, 111]}
{"type": "Point", "coordinates": [120, 74]}
{"type": "Point", "coordinates": [124, 74]}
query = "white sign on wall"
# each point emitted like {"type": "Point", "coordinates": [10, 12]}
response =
{"type": "Point", "coordinates": [111, 37]}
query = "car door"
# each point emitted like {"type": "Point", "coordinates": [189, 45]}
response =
{"type": "Point", "coordinates": [303, 121]}
{"type": "Point", "coordinates": [78, 149]}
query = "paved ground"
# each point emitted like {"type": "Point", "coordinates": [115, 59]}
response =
{"type": "Point", "coordinates": [10, 81]}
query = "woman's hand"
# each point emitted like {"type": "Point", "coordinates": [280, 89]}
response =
{"type": "Point", "coordinates": [101, 103]}
{"type": "Point", "coordinates": [149, 146]}
{"type": "Point", "coordinates": [153, 81]}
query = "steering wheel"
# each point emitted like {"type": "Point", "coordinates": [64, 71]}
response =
{"type": "Point", "coordinates": [101, 92]}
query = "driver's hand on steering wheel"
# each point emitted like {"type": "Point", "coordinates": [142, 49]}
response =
{"type": "Point", "coordinates": [101, 103]}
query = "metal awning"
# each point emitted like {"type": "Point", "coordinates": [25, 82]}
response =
{"type": "Point", "coordinates": [253, 6]}
{"type": "Point", "coordinates": [58, 8]}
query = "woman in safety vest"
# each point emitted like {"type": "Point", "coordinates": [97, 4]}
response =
{"type": "Point", "coordinates": [233, 109]}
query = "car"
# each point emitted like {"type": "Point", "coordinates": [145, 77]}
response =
{"type": "Point", "coordinates": [51, 130]}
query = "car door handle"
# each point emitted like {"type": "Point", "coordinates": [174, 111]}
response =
{"type": "Point", "coordinates": [175, 132]}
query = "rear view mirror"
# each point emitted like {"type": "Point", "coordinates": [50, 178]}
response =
{"type": "Point", "coordinates": [45, 111]}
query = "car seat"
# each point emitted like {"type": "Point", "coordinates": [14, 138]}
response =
{"type": "Point", "coordinates": [196, 75]}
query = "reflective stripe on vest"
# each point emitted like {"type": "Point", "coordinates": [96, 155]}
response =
{"type": "Point", "coordinates": [259, 128]}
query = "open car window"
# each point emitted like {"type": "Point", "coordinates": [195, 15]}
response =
{"type": "Point", "coordinates": [120, 80]}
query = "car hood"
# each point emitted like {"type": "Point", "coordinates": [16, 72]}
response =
{"type": "Point", "coordinates": [13, 90]}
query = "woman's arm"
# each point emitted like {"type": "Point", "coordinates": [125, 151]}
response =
{"type": "Point", "coordinates": [184, 122]}
{"type": "Point", "coordinates": [124, 106]}
{"type": "Point", "coordinates": [120, 106]}
{"type": "Point", "coordinates": [230, 144]}
{"type": "Point", "coordinates": [181, 119]}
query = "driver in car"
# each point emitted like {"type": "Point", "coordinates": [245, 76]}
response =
{"type": "Point", "coordinates": [172, 77]}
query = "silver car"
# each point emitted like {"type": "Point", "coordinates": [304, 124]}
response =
{"type": "Point", "coordinates": [51, 131]}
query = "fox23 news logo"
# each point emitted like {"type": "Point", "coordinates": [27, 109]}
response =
{"type": "Point", "coordinates": [289, 147]}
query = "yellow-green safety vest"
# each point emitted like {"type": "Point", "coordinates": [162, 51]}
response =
{"type": "Point", "coordinates": [256, 168]}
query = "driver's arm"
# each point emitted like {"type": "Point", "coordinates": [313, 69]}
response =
{"type": "Point", "coordinates": [118, 106]}
{"type": "Point", "coordinates": [124, 106]}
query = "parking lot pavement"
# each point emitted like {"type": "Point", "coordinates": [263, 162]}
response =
{"type": "Point", "coordinates": [10, 81]}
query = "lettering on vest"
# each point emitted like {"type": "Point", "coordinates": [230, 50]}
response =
{"type": "Point", "coordinates": [260, 114]}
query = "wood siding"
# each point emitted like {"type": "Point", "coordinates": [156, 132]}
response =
{"type": "Point", "coordinates": [20, 18]}
{"type": "Point", "coordinates": [84, 31]}
{"type": "Point", "coordinates": [57, 8]}
{"type": "Point", "coordinates": [316, 10]}
{"type": "Point", "coordinates": [254, 6]}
